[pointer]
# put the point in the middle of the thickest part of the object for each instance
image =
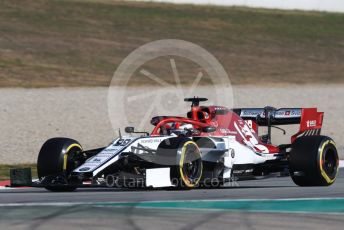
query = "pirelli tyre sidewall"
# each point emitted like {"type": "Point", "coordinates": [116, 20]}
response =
{"type": "Point", "coordinates": [56, 158]}
{"type": "Point", "coordinates": [314, 161]}
{"type": "Point", "coordinates": [184, 158]}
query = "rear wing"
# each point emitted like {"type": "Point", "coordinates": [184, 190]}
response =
{"type": "Point", "coordinates": [284, 116]}
{"type": "Point", "coordinates": [310, 119]}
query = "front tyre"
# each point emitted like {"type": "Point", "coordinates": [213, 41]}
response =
{"type": "Point", "coordinates": [184, 158]}
{"type": "Point", "coordinates": [313, 161]}
{"type": "Point", "coordinates": [57, 158]}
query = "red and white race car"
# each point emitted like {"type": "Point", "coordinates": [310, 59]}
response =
{"type": "Point", "coordinates": [212, 146]}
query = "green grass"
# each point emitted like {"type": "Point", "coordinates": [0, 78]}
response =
{"type": "Point", "coordinates": [5, 170]}
{"type": "Point", "coordinates": [80, 43]}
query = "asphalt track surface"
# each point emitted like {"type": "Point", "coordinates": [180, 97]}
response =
{"type": "Point", "coordinates": [35, 208]}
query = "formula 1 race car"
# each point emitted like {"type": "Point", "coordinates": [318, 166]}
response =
{"type": "Point", "coordinates": [212, 146]}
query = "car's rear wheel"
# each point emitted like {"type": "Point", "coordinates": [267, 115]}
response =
{"type": "Point", "coordinates": [183, 157]}
{"type": "Point", "coordinates": [57, 158]}
{"type": "Point", "coordinates": [313, 161]}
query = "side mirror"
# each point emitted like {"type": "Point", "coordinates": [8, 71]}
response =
{"type": "Point", "coordinates": [129, 129]}
{"type": "Point", "coordinates": [209, 129]}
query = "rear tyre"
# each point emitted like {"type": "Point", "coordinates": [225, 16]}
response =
{"type": "Point", "coordinates": [56, 160]}
{"type": "Point", "coordinates": [313, 161]}
{"type": "Point", "coordinates": [183, 157]}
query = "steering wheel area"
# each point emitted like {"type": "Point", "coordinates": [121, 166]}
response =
{"type": "Point", "coordinates": [177, 128]}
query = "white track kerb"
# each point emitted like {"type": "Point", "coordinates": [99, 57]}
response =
{"type": "Point", "coordinates": [128, 106]}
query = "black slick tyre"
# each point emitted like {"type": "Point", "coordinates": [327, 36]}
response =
{"type": "Point", "coordinates": [183, 157]}
{"type": "Point", "coordinates": [56, 160]}
{"type": "Point", "coordinates": [313, 161]}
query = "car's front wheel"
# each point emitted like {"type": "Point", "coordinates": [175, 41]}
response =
{"type": "Point", "coordinates": [57, 158]}
{"type": "Point", "coordinates": [183, 157]}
